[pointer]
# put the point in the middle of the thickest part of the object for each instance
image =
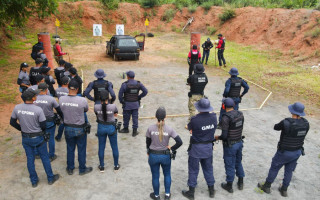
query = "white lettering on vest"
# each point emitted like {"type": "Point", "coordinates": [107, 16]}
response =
{"type": "Point", "coordinates": [207, 127]}
{"type": "Point", "coordinates": [70, 104]}
{"type": "Point", "coordinates": [157, 133]}
{"type": "Point", "coordinates": [23, 112]}
{"type": "Point", "coordinates": [40, 101]}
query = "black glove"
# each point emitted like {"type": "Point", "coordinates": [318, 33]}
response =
{"type": "Point", "coordinates": [46, 136]}
{"type": "Point", "coordinates": [173, 154]}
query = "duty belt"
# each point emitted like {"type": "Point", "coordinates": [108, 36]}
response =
{"type": "Point", "coordinates": [164, 152]}
{"type": "Point", "coordinates": [31, 135]}
{"type": "Point", "coordinates": [75, 125]}
{"type": "Point", "coordinates": [106, 123]}
{"type": "Point", "coordinates": [232, 142]}
{"type": "Point", "coordinates": [50, 119]}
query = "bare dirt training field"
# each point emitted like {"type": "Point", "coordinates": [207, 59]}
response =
{"type": "Point", "coordinates": [165, 78]}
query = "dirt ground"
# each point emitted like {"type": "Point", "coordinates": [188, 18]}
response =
{"type": "Point", "coordinates": [165, 79]}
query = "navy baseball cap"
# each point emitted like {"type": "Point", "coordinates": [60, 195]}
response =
{"type": "Point", "coordinates": [220, 35]}
{"type": "Point", "coordinates": [44, 70]}
{"type": "Point", "coordinates": [229, 103]}
{"type": "Point", "coordinates": [65, 80]}
{"type": "Point", "coordinates": [39, 60]}
{"type": "Point", "coordinates": [198, 68]}
{"type": "Point", "coordinates": [297, 109]}
{"type": "Point", "coordinates": [161, 113]}
{"type": "Point", "coordinates": [73, 70]}
{"type": "Point", "coordinates": [73, 85]}
{"type": "Point", "coordinates": [39, 78]}
{"type": "Point", "coordinates": [203, 105]}
{"type": "Point", "coordinates": [29, 94]}
{"type": "Point", "coordinates": [130, 74]}
{"type": "Point", "coordinates": [23, 65]}
{"type": "Point", "coordinates": [43, 86]}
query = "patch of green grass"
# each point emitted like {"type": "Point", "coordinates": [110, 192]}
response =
{"type": "Point", "coordinates": [192, 8]}
{"type": "Point", "coordinates": [8, 139]}
{"type": "Point", "coordinates": [314, 33]}
{"type": "Point", "coordinates": [168, 15]}
{"type": "Point", "coordinates": [3, 62]}
{"type": "Point", "coordinates": [207, 5]}
{"type": "Point", "coordinates": [17, 153]}
{"type": "Point", "coordinates": [211, 30]}
{"type": "Point", "coordinates": [227, 14]}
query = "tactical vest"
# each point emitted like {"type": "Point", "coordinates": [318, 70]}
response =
{"type": "Point", "coordinates": [223, 44]}
{"type": "Point", "coordinates": [33, 74]}
{"type": "Point", "coordinates": [194, 58]}
{"type": "Point", "coordinates": [51, 88]}
{"type": "Point", "coordinates": [199, 83]}
{"type": "Point", "coordinates": [55, 50]}
{"type": "Point", "coordinates": [58, 73]}
{"type": "Point", "coordinates": [98, 86]}
{"type": "Point", "coordinates": [235, 125]}
{"type": "Point", "coordinates": [292, 137]}
{"type": "Point", "coordinates": [235, 87]}
{"type": "Point", "coordinates": [132, 92]}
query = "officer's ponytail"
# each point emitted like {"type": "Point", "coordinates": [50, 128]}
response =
{"type": "Point", "coordinates": [160, 128]}
{"type": "Point", "coordinates": [104, 95]}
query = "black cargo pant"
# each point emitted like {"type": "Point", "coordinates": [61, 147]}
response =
{"type": "Point", "coordinates": [220, 57]}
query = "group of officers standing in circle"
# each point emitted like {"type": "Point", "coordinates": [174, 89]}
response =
{"type": "Point", "coordinates": [37, 123]}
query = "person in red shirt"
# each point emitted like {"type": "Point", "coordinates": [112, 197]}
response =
{"type": "Point", "coordinates": [220, 47]}
{"type": "Point", "coordinates": [194, 57]}
{"type": "Point", "coordinates": [57, 49]}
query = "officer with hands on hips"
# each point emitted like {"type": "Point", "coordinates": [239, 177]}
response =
{"type": "Point", "coordinates": [73, 108]}
{"type": "Point", "coordinates": [99, 85]}
{"type": "Point", "coordinates": [47, 103]}
{"type": "Point", "coordinates": [233, 90]}
{"type": "Point", "coordinates": [130, 98]}
{"type": "Point", "coordinates": [32, 124]}
{"type": "Point", "coordinates": [232, 126]}
{"type": "Point", "coordinates": [202, 127]}
{"type": "Point", "coordinates": [290, 148]}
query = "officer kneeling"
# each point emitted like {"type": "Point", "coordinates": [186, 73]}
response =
{"type": "Point", "coordinates": [232, 125]}
{"type": "Point", "coordinates": [76, 129]}
{"type": "Point", "coordinates": [202, 127]}
{"type": "Point", "coordinates": [32, 124]}
{"type": "Point", "coordinates": [290, 148]}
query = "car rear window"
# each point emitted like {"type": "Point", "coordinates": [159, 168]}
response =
{"type": "Point", "coordinates": [127, 43]}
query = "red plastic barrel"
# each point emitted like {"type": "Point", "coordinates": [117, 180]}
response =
{"type": "Point", "coordinates": [195, 40]}
{"type": "Point", "coordinates": [45, 38]}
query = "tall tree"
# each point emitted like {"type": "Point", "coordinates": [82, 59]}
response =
{"type": "Point", "coordinates": [18, 11]}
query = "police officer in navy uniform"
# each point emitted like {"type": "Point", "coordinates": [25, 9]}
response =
{"type": "Point", "coordinates": [233, 90]}
{"type": "Point", "coordinates": [32, 124]}
{"type": "Point", "coordinates": [197, 82]}
{"type": "Point", "coordinates": [130, 98]}
{"type": "Point", "coordinates": [73, 108]}
{"type": "Point", "coordinates": [202, 127]}
{"type": "Point", "coordinates": [99, 85]}
{"type": "Point", "coordinates": [232, 126]}
{"type": "Point", "coordinates": [290, 148]}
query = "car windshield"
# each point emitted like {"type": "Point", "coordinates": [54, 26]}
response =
{"type": "Point", "coordinates": [127, 43]}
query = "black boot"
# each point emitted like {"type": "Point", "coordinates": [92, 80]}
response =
{"type": "Point", "coordinates": [219, 125]}
{"type": "Point", "coordinates": [124, 130]}
{"type": "Point", "coordinates": [227, 186]}
{"type": "Point", "coordinates": [240, 183]}
{"type": "Point", "coordinates": [189, 194]}
{"type": "Point", "coordinates": [135, 132]}
{"type": "Point", "coordinates": [211, 191]}
{"type": "Point", "coordinates": [153, 196]}
{"type": "Point", "coordinates": [265, 187]}
{"type": "Point", "coordinates": [283, 191]}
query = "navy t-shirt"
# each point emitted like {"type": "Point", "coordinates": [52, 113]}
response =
{"type": "Point", "coordinates": [203, 127]}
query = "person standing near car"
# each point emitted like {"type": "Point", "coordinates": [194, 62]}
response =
{"type": "Point", "coordinates": [106, 114]}
{"type": "Point", "coordinates": [130, 98]}
{"type": "Point", "coordinates": [99, 85]}
{"type": "Point", "coordinates": [158, 150]}
{"type": "Point", "coordinates": [74, 109]}
{"type": "Point", "coordinates": [32, 124]}
{"type": "Point", "coordinates": [23, 79]}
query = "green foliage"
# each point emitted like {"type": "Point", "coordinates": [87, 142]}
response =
{"type": "Point", "coordinates": [168, 15]}
{"type": "Point", "coordinates": [227, 14]}
{"type": "Point", "coordinates": [207, 5]}
{"type": "Point", "coordinates": [314, 33]}
{"type": "Point", "coordinates": [110, 4]}
{"type": "Point", "coordinates": [192, 8]}
{"type": "Point", "coordinates": [211, 30]}
{"type": "Point", "coordinates": [18, 11]}
{"type": "Point", "coordinates": [154, 12]}
{"type": "Point", "coordinates": [182, 3]}
{"type": "Point", "coordinates": [149, 3]}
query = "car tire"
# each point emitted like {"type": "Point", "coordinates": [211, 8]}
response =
{"type": "Point", "coordinates": [115, 58]}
